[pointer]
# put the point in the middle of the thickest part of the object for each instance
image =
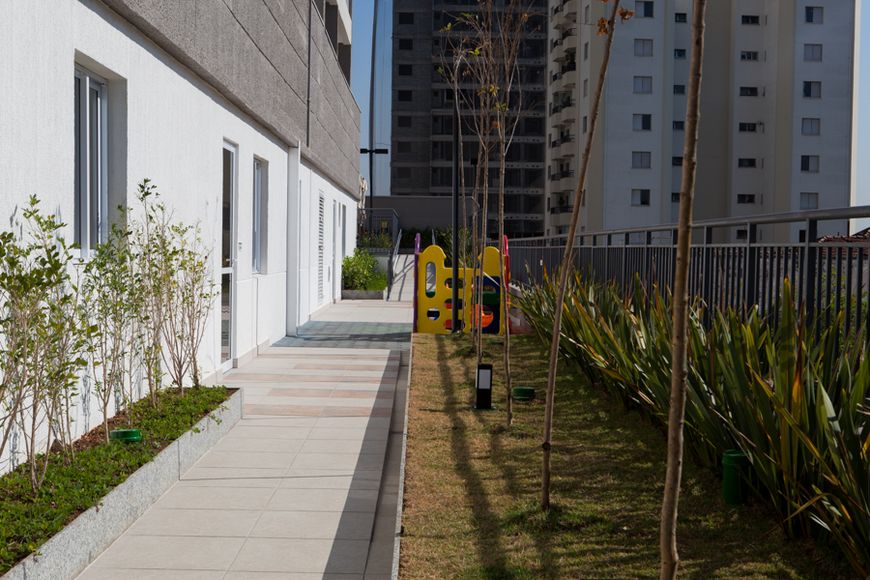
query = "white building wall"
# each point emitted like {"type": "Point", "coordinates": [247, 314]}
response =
{"type": "Point", "coordinates": [168, 125]}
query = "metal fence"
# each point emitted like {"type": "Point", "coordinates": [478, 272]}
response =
{"type": "Point", "coordinates": [829, 275]}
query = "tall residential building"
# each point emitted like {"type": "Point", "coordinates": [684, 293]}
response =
{"type": "Point", "coordinates": [776, 111]}
{"type": "Point", "coordinates": [422, 115]}
{"type": "Point", "coordinates": [239, 112]}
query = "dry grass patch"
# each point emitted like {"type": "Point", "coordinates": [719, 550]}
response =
{"type": "Point", "coordinates": [473, 487]}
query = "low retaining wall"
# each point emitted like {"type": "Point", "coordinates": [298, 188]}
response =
{"type": "Point", "coordinates": [70, 551]}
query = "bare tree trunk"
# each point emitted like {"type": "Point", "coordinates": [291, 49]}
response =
{"type": "Point", "coordinates": [670, 559]}
{"type": "Point", "coordinates": [567, 261]}
{"type": "Point", "coordinates": [506, 351]}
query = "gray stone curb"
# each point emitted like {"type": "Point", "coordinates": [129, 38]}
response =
{"type": "Point", "coordinates": [72, 549]}
{"type": "Point", "coordinates": [401, 495]}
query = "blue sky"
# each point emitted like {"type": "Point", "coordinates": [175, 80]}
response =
{"type": "Point", "coordinates": [361, 59]}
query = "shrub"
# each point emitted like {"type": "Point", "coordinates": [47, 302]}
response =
{"type": "Point", "coordinates": [794, 403]}
{"type": "Point", "coordinates": [360, 272]}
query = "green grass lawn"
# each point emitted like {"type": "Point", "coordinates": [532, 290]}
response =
{"type": "Point", "coordinates": [473, 487]}
{"type": "Point", "coordinates": [28, 519]}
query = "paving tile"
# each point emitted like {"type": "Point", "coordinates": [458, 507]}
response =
{"type": "Point", "coordinates": [352, 433]}
{"type": "Point", "coordinates": [228, 498]}
{"type": "Point", "coordinates": [94, 573]}
{"type": "Point", "coordinates": [283, 410]}
{"type": "Point", "coordinates": [289, 576]}
{"type": "Point", "coordinates": [313, 556]}
{"type": "Point", "coordinates": [268, 432]}
{"type": "Point", "coordinates": [186, 522]}
{"type": "Point", "coordinates": [243, 459]}
{"type": "Point", "coordinates": [277, 421]}
{"type": "Point", "coordinates": [273, 445]}
{"type": "Point", "coordinates": [170, 553]}
{"type": "Point", "coordinates": [331, 479]}
{"type": "Point", "coordinates": [326, 500]}
{"type": "Point", "coordinates": [309, 524]}
{"type": "Point", "coordinates": [344, 446]}
{"type": "Point", "coordinates": [339, 461]}
{"type": "Point", "coordinates": [352, 422]}
{"type": "Point", "coordinates": [231, 477]}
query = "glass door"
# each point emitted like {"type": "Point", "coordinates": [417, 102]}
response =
{"type": "Point", "coordinates": [228, 260]}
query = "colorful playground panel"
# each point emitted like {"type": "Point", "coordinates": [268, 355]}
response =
{"type": "Point", "coordinates": [434, 293]}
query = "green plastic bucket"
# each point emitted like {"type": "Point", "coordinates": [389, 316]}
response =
{"type": "Point", "coordinates": [126, 435]}
{"type": "Point", "coordinates": [523, 393]}
{"type": "Point", "coordinates": [734, 470]}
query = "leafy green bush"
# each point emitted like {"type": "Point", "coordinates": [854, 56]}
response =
{"type": "Point", "coordinates": [794, 403]}
{"type": "Point", "coordinates": [380, 240]}
{"type": "Point", "coordinates": [360, 272]}
{"type": "Point", "coordinates": [28, 520]}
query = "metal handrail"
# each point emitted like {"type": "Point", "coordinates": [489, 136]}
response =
{"type": "Point", "coordinates": [847, 213]}
{"type": "Point", "coordinates": [391, 265]}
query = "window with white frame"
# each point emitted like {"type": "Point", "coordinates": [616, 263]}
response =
{"type": "Point", "coordinates": [641, 122]}
{"type": "Point", "coordinates": [811, 126]}
{"type": "Point", "coordinates": [810, 163]}
{"type": "Point", "coordinates": [260, 213]}
{"type": "Point", "coordinates": [91, 166]}
{"type": "Point", "coordinates": [812, 89]}
{"type": "Point", "coordinates": [639, 197]}
{"type": "Point", "coordinates": [641, 159]}
{"type": "Point", "coordinates": [809, 200]}
{"type": "Point", "coordinates": [643, 47]}
{"type": "Point", "coordinates": [814, 14]}
{"type": "Point", "coordinates": [812, 52]}
{"type": "Point", "coordinates": [643, 85]}
{"type": "Point", "coordinates": [747, 127]}
{"type": "Point", "coordinates": [644, 8]}
{"type": "Point", "coordinates": [749, 55]}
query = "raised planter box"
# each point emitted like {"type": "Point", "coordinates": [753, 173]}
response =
{"type": "Point", "coordinates": [70, 551]}
{"type": "Point", "coordinates": [363, 294]}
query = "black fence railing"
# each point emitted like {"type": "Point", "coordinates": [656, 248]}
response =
{"type": "Point", "coordinates": [736, 263]}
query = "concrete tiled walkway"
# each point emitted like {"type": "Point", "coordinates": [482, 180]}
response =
{"type": "Point", "coordinates": [297, 489]}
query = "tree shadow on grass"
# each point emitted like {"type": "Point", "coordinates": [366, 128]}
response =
{"type": "Point", "coordinates": [490, 548]}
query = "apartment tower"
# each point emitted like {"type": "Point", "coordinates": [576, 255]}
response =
{"type": "Point", "coordinates": [422, 116]}
{"type": "Point", "coordinates": [776, 111]}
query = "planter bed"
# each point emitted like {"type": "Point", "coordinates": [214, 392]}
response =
{"type": "Point", "coordinates": [362, 294]}
{"type": "Point", "coordinates": [85, 505]}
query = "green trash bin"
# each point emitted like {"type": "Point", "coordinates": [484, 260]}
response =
{"type": "Point", "coordinates": [734, 471]}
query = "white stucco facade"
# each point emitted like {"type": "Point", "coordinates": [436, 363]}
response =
{"type": "Point", "coordinates": [166, 124]}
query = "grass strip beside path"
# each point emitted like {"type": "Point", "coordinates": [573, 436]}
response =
{"type": "Point", "coordinates": [472, 488]}
{"type": "Point", "coordinates": [28, 520]}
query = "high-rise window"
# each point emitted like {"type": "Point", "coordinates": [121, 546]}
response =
{"type": "Point", "coordinates": [403, 121]}
{"type": "Point", "coordinates": [814, 14]}
{"type": "Point", "coordinates": [810, 163]}
{"type": "Point", "coordinates": [747, 127]}
{"type": "Point", "coordinates": [406, 70]}
{"type": "Point", "coordinates": [743, 198]}
{"type": "Point", "coordinates": [585, 87]}
{"type": "Point", "coordinates": [406, 44]}
{"type": "Point", "coordinates": [811, 126]}
{"type": "Point", "coordinates": [679, 89]}
{"type": "Point", "coordinates": [260, 216]}
{"type": "Point", "coordinates": [812, 89]}
{"type": "Point", "coordinates": [91, 167]}
{"type": "Point", "coordinates": [406, 96]}
{"type": "Point", "coordinates": [585, 51]}
{"type": "Point", "coordinates": [809, 200]}
{"type": "Point", "coordinates": [406, 18]}
{"type": "Point", "coordinates": [677, 160]}
{"type": "Point", "coordinates": [680, 17]}
{"type": "Point", "coordinates": [643, 47]}
{"type": "Point", "coordinates": [679, 125]}
{"type": "Point", "coordinates": [643, 85]}
{"type": "Point", "coordinates": [644, 8]}
{"type": "Point", "coordinates": [750, 19]}
{"type": "Point", "coordinates": [813, 53]}
{"type": "Point", "coordinates": [747, 162]}
{"type": "Point", "coordinates": [641, 159]}
{"type": "Point", "coordinates": [749, 55]}
{"type": "Point", "coordinates": [680, 54]}
{"type": "Point", "coordinates": [584, 123]}
{"type": "Point", "coordinates": [639, 197]}
{"type": "Point", "coordinates": [748, 91]}
{"type": "Point", "coordinates": [642, 122]}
